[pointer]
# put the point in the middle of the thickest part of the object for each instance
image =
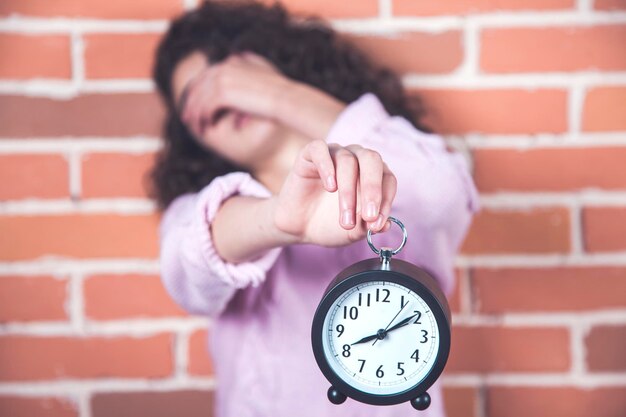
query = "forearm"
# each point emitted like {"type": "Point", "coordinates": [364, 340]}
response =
{"type": "Point", "coordinates": [244, 227]}
{"type": "Point", "coordinates": [196, 288]}
{"type": "Point", "coordinates": [309, 110]}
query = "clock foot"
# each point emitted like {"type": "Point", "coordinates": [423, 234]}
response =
{"type": "Point", "coordinates": [422, 402]}
{"type": "Point", "coordinates": [335, 396]}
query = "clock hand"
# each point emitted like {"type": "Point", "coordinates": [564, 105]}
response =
{"type": "Point", "coordinates": [382, 333]}
{"type": "Point", "coordinates": [366, 339]}
{"type": "Point", "coordinates": [402, 323]}
{"type": "Point", "coordinates": [394, 317]}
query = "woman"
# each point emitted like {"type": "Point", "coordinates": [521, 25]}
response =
{"type": "Point", "coordinates": [284, 145]}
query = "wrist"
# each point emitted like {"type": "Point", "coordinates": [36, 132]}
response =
{"type": "Point", "coordinates": [281, 237]}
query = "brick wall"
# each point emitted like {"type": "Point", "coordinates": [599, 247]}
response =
{"type": "Point", "coordinates": [535, 89]}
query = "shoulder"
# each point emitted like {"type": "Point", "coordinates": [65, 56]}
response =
{"type": "Point", "coordinates": [366, 119]}
{"type": "Point", "coordinates": [357, 120]}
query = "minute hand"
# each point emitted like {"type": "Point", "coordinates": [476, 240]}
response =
{"type": "Point", "coordinates": [377, 336]}
{"type": "Point", "coordinates": [402, 323]}
{"type": "Point", "coordinates": [384, 332]}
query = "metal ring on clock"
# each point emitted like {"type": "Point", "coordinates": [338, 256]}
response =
{"type": "Point", "coordinates": [399, 248]}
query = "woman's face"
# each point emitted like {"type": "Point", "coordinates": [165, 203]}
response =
{"type": "Point", "coordinates": [241, 138]}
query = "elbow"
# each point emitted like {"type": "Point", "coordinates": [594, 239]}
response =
{"type": "Point", "coordinates": [190, 287]}
{"type": "Point", "coordinates": [191, 297]}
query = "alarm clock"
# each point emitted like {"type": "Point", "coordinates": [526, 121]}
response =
{"type": "Point", "coordinates": [381, 333]}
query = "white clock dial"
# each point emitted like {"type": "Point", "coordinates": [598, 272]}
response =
{"type": "Point", "coordinates": [381, 338]}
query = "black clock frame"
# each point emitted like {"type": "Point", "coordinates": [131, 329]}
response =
{"type": "Point", "coordinates": [408, 275]}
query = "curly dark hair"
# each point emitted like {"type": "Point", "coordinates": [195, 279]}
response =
{"type": "Point", "coordinates": [303, 48]}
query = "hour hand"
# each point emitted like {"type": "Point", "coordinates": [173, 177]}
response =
{"type": "Point", "coordinates": [366, 339]}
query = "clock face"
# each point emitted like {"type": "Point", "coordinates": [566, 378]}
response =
{"type": "Point", "coordinates": [380, 337]}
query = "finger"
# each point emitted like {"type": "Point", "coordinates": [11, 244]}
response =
{"type": "Point", "coordinates": [318, 154]}
{"type": "Point", "coordinates": [206, 101]}
{"type": "Point", "coordinates": [347, 169]}
{"type": "Point", "coordinates": [389, 189]}
{"type": "Point", "coordinates": [211, 100]}
{"type": "Point", "coordinates": [183, 100]}
{"type": "Point", "coordinates": [370, 180]}
{"type": "Point", "coordinates": [220, 98]}
{"type": "Point", "coordinates": [193, 109]}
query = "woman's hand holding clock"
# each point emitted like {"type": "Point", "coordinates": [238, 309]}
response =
{"type": "Point", "coordinates": [334, 194]}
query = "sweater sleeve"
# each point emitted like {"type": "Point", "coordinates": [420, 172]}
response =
{"type": "Point", "coordinates": [436, 196]}
{"type": "Point", "coordinates": [193, 273]}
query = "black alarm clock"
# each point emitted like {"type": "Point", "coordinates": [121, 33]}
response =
{"type": "Point", "coordinates": [381, 333]}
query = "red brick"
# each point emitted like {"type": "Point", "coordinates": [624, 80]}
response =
{"type": "Point", "coordinates": [534, 289]}
{"type": "Point", "coordinates": [545, 230]}
{"type": "Point", "coordinates": [455, 300]}
{"type": "Point", "coordinates": [486, 349]}
{"type": "Point", "coordinates": [116, 175]}
{"type": "Point", "coordinates": [79, 235]}
{"type": "Point", "coordinates": [414, 51]}
{"type": "Point", "coordinates": [189, 403]}
{"type": "Point", "coordinates": [33, 176]}
{"type": "Point", "coordinates": [35, 56]}
{"type": "Point", "coordinates": [604, 229]}
{"type": "Point", "coordinates": [512, 401]}
{"type": "Point", "coordinates": [461, 401]}
{"type": "Point", "coordinates": [609, 4]}
{"type": "Point", "coordinates": [331, 9]}
{"type": "Point", "coordinates": [606, 348]}
{"type": "Point", "coordinates": [459, 291]}
{"type": "Point", "coordinates": [495, 111]}
{"type": "Point", "coordinates": [87, 115]}
{"type": "Point", "coordinates": [137, 9]}
{"type": "Point", "coordinates": [47, 358]}
{"type": "Point", "coordinates": [17, 406]}
{"type": "Point", "coordinates": [199, 359]}
{"type": "Point", "coordinates": [120, 55]}
{"type": "Point", "coordinates": [549, 169]}
{"type": "Point", "coordinates": [32, 298]}
{"type": "Point", "coordinates": [109, 297]}
{"type": "Point", "coordinates": [553, 49]}
{"type": "Point", "coordinates": [604, 109]}
{"type": "Point", "coordinates": [462, 7]}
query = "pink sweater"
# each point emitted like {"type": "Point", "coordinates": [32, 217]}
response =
{"type": "Point", "coordinates": [262, 310]}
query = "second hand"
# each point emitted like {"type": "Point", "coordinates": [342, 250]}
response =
{"type": "Point", "coordinates": [394, 317]}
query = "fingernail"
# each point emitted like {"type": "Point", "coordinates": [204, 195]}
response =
{"type": "Point", "coordinates": [330, 181]}
{"type": "Point", "coordinates": [371, 210]}
{"type": "Point", "coordinates": [346, 218]}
